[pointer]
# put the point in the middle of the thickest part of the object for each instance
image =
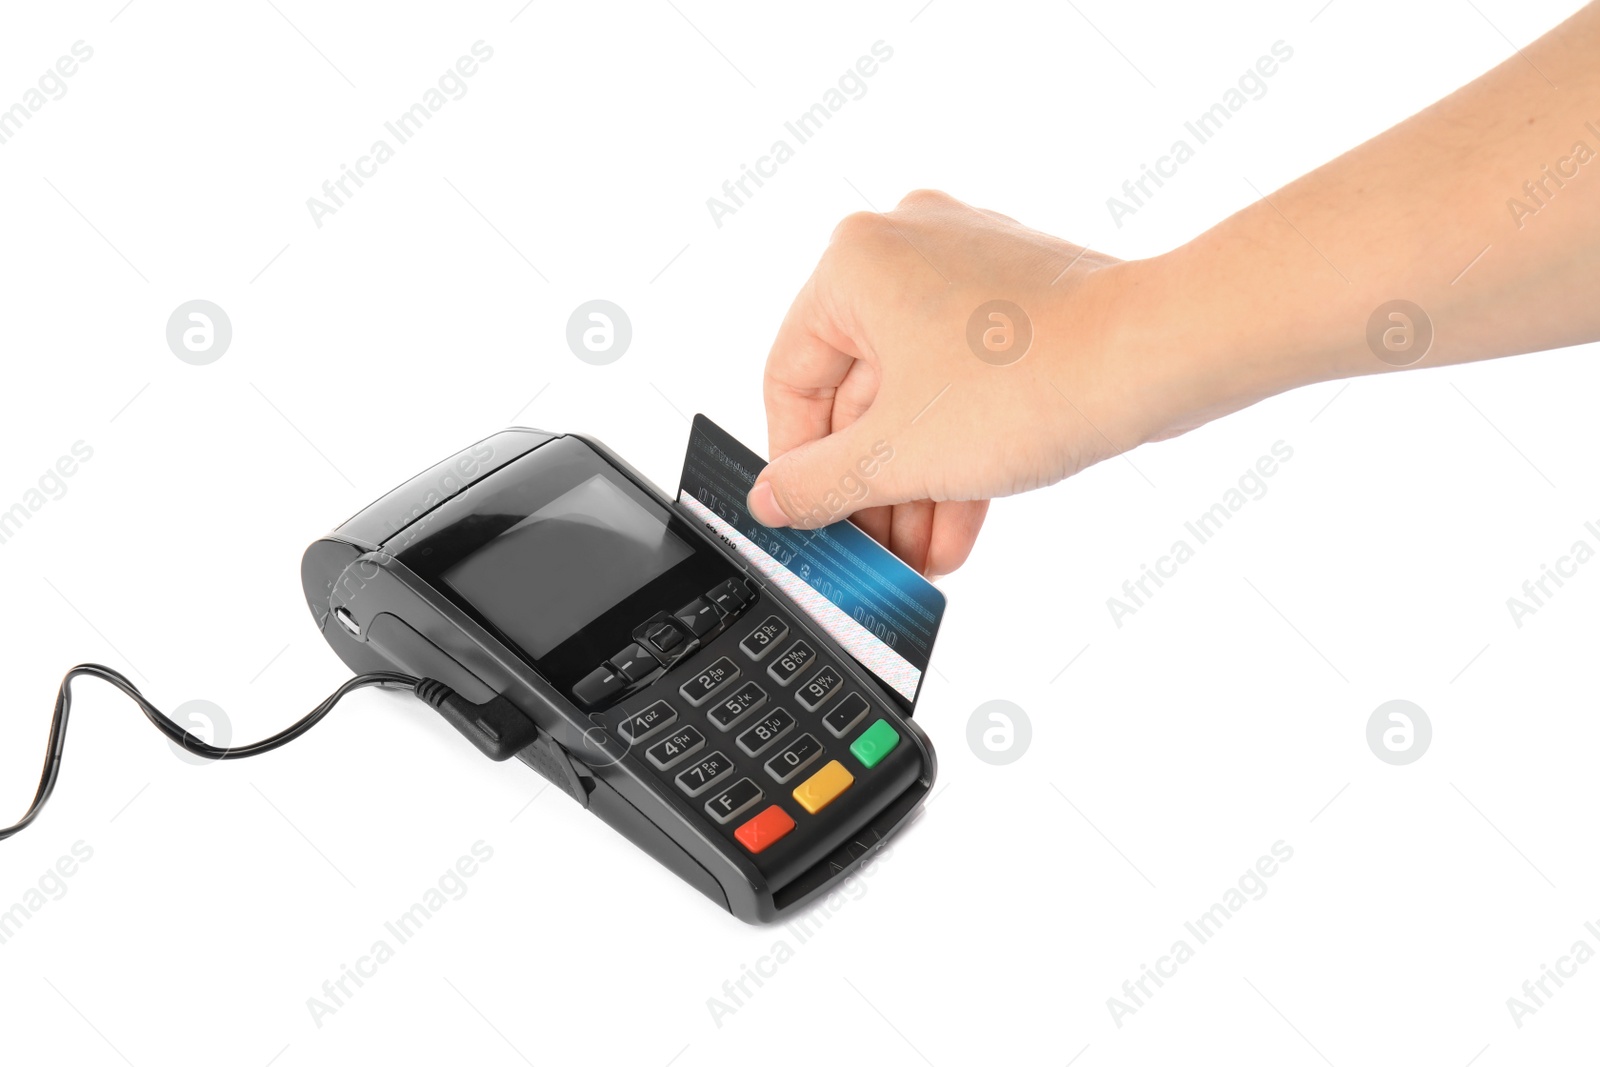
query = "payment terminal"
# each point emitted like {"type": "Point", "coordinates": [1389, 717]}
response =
{"type": "Point", "coordinates": [619, 645]}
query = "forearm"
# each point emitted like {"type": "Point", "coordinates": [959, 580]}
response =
{"type": "Point", "coordinates": [999, 359]}
{"type": "Point", "coordinates": [1280, 294]}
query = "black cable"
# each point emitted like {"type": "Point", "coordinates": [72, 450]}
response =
{"type": "Point", "coordinates": [177, 734]}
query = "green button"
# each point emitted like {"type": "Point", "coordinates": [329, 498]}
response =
{"type": "Point", "coordinates": [876, 742]}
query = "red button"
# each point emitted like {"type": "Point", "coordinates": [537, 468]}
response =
{"type": "Point", "coordinates": [764, 829]}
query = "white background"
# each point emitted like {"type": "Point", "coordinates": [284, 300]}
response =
{"type": "Point", "coordinates": [1226, 715]}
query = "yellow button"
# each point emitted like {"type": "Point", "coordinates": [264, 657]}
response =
{"type": "Point", "coordinates": [818, 791]}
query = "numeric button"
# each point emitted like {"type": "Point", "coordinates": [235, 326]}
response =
{"type": "Point", "coordinates": [705, 774]}
{"type": "Point", "coordinates": [727, 714]}
{"type": "Point", "coordinates": [818, 688]}
{"type": "Point", "coordinates": [698, 690]}
{"type": "Point", "coordinates": [764, 734]}
{"type": "Point", "coordinates": [677, 748]}
{"type": "Point", "coordinates": [797, 757]}
{"type": "Point", "coordinates": [651, 720]}
{"type": "Point", "coordinates": [764, 638]}
{"type": "Point", "coordinates": [795, 659]}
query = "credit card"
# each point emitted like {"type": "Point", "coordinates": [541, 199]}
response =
{"type": "Point", "coordinates": [882, 612]}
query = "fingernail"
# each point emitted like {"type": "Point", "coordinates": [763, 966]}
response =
{"type": "Point", "coordinates": [763, 505]}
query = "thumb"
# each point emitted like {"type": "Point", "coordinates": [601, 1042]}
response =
{"type": "Point", "coordinates": [829, 479]}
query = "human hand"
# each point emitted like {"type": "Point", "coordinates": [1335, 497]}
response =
{"type": "Point", "coordinates": [879, 407]}
{"type": "Point", "coordinates": [884, 400]}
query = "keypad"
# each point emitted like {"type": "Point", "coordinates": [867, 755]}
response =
{"type": "Point", "coordinates": [699, 689]}
{"type": "Point", "coordinates": [764, 638]}
{"type": "Point", "coordinates": [800, 754]}
{"type": "Point", "coordinates": [759, 833]}
{"type": "Point", "coordinates": [660, 640]}
{"type": "Point", "coordinates": [822, 788]}
{"type": "Point", "coordinates": [845, 714]}
{"type": "Point", "coordinates": [635, 663]}
{"type": "Point", "coordinates": [730, 712]}
{"type": "Point", "coordinates": [651, 720]}
{"type": "Point", "coordinates": [764, 734]}
{"type": "Point", "coordinates": [734, 801]}
{"type": "Point", "coordinates": [776, 776]}
{"type": "Point", "coordinates": [818, 688]}
{"type": "Point", "coordinates": [705, 774]}
{"type": "Point", "coordinates": [700, 616]}
{"type": "Point", "coordinates": [663, 637]}
{"type": "Point", "coordinates": [677, 748]}
{"type": "Point", "coordinates": [599, 685]}
{"type": "Point", "coordinates": [730, 597]}
{"type": "Point", "coordinates": [875, 742]}
{"type": "Point", "coordinates": [794, 659]}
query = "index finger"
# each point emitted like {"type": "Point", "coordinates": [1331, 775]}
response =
{"type": "Point", "coordinates": [809, 359]}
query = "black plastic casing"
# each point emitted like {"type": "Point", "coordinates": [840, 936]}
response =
{"type": "Point", "coordinates": [379, 615]}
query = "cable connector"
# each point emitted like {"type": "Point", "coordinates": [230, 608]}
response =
{"type": "Point", "coordinates": [498, 728]}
